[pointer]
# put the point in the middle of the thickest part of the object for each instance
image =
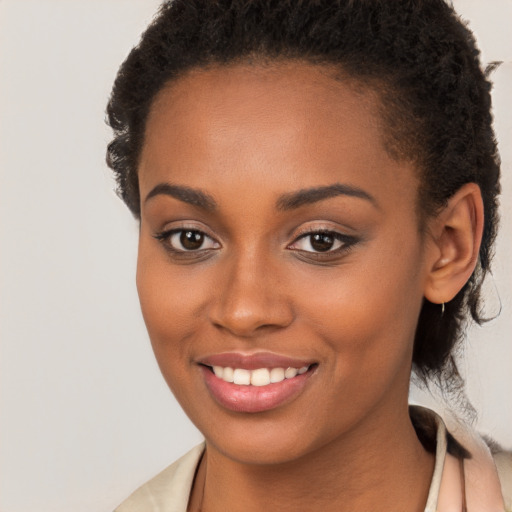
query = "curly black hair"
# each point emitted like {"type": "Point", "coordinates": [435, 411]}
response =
{"type": "Point", "coordinates": [416, 55]}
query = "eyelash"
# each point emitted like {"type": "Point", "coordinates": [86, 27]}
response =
{"type": "Point", "coordinates": [165, 238]}
{"type": "Point", "coordinates": [347, 242]}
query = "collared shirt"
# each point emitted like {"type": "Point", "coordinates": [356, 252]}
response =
{"type": "Point", "coordinates": [478, 484]}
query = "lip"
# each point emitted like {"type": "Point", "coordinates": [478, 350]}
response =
{"type": "Point", "coordinates": [254, 399]}
{"type": "Point", "coordinates": [253, 361]}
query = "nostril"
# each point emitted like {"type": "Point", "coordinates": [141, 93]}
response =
{"type": "Point", "coordinates": [248, 330]}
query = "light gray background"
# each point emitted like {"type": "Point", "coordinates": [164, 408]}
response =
{"type": "Point", "coordinates": [86, 416]}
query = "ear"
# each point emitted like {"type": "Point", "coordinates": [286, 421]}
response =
{"type": "Point", "coordinates": [456, 234]}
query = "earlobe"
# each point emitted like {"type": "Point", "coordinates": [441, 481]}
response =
{"type": "Point", "coordinates": [456, 236]}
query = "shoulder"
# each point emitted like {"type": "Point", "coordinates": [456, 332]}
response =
{"type": "Point", "coordinates": [169, 490]}
{"type": "Point", "coordinates": [485, 467]}
{"type": "Point", "coordinates": [488, 468]}
{"type": "Point", "coordinates": [503, 461]}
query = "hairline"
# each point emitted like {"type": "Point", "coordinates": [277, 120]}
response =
{"type": "Point", "coordinates": [376, 88]}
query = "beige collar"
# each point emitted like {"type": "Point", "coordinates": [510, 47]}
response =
{"type": "Point", "coordinates": [169, 491]}
{"type": "Point", "coordinates": [473, 486]}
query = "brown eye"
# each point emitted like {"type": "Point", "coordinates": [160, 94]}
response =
{"type": "Point", "coordinates": [187, 240]}
{"type": "Point", "coordinates": [322, 242]}
{"type": "Point", "coordinates": [317, 242]}
{"type": "Point", "coordinates": [191, 240]}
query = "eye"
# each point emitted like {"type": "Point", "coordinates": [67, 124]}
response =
{"type": "Point", "coordinates": [322, 242]}
{"type": "Point", "coordinates": [187, 240]}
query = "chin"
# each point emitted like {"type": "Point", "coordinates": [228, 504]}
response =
{"type": "Point", "coordinates": [262, 439]}
{"type": "Point", "coordinates": [258, 451]}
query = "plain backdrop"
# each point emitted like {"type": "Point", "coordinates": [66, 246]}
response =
{"type": "Point", "coordinates": [85, 414]}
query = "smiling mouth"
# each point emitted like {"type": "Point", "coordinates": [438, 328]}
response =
{"type": "Point", "coordinates": [256, 390]}
{"type": "Point", "coordinates": [259, 377]}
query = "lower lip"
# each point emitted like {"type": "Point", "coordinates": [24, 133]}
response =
{"type": "Point", "coordinates": [254, 398]}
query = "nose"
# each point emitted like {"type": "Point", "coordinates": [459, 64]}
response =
{"type": "Point", "coordinates": [251, 299]}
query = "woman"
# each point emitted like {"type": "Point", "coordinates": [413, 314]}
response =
{"type": "Point", "coordinates": [316, 184]}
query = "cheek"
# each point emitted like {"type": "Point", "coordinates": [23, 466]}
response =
{"type": "Point", "coordinates": [171, 302]}
{"type": "Point", "coordinates": [368, 313]}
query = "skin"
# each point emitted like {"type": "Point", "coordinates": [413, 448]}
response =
{"type": "Point", "coordinates": [246, 136]}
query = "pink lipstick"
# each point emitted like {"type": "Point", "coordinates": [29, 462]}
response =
{"type": "Point", "coordinates": [257, 382]}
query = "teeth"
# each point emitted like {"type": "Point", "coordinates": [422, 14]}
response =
{"type": "Point", "coordinates": [242, 377]}
{"type": "Point", "coordinates": [228, 374]}
{"type": "Point", "coordinates": [259, 377]}
{"type": "Point", "coordinates": [289, 373]}
{"type": "Point", "coordinates": [276, 375]}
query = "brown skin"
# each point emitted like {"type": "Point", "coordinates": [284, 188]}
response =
{"type": "Point", "coordinates": [246, 136]}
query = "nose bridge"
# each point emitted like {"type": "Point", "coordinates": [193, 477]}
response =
{"type": "Point", "coordinates": [250, 296]}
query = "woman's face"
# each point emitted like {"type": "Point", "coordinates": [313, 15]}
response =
{"type": "Point", "coordinates": [278, 235]}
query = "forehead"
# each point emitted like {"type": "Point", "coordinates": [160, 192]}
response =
{"type": "Point", "coordinates": [299, 122]}
{"type": "Point", "coordinates": [279, 94]}
{"type": "Point", "coordinates": [291, 79]}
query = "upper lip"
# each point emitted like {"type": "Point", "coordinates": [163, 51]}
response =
{"type": "Point", "coordinates": [253, 361]}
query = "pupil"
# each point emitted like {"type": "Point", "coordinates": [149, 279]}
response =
{"type": "Point", "coordinates": [191, 239]}
{"type": "Point", "coordinates": [322, 242]}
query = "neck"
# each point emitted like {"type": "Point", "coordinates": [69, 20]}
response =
{"type": "Point", "coordinates": [377, 466]}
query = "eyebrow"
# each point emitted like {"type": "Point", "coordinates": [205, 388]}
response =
{"type": "Point", "coordinates": [290, 201]}
{"type": "Point", "coordinates": [188, 195]}
{"type": "Point", "coordinates": [313, 195]}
